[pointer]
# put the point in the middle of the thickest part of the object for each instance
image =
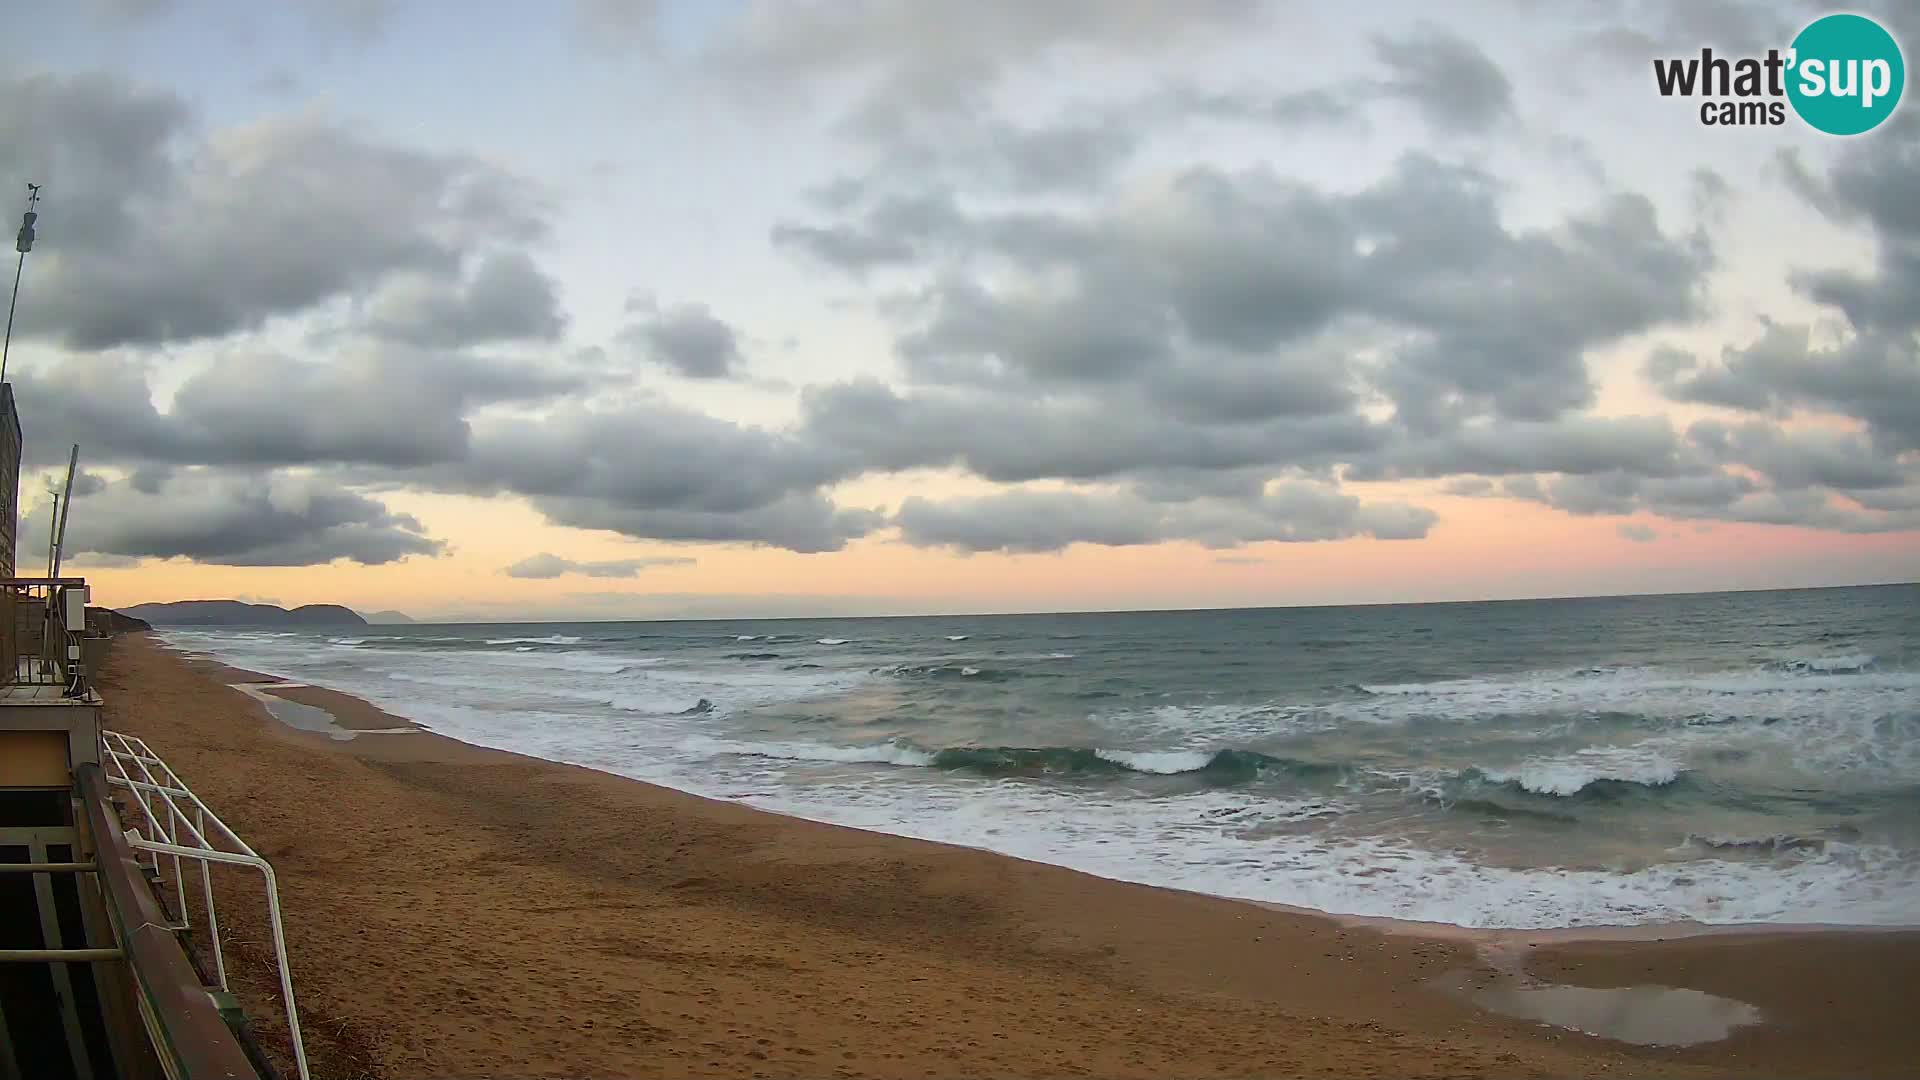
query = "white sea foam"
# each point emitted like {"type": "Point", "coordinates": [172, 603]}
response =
{"type": "Point", "coordinates": [831, 641]}
{"type": "Point", "coordinates": [551, 639]}
{"type": "Point", "coordinates": [347, 641]}
{"type": "Point", "coordinates": [746, 637]}
{"type": "Point", "coordinates": [1569, 775]}
{"type": "Point", "coordinates": [1161, 762]}
{"type": "Point", "coordinates": [958, 637]}
{"type": "Point", "coordinates": [969, 671]}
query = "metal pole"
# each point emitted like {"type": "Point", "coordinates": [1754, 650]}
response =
{"type": "Point", "coordinates": [15, 302]}
{"type": "Point", "coordinates": [23, 245]}
{"type": "Point", "coordinates": [60, 531]}
{"type": "Point", "coordinates": [52, 524]}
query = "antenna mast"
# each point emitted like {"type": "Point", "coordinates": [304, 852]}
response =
{"type": "Point", "coordinates": [60, 530]}
{"type": "Point", "coordinates": [22, 244]}
{"type": "Point", "coordinates": [53, 524]}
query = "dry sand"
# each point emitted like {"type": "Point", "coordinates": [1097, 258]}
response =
{"type": "Point", "coordinates": [461, 912]}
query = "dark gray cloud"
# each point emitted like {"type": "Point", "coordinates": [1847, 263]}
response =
{"type": "Point", "coordinates": [689, 340]}
{"type": "Point", "coordinates": [1009, 438]}
{"type": "Point", "coordinates": [238, 520]}
{"type": "Point", "coordinates": [505, 298]}
{"type": "Point", "coordinates": [1807, 458]}
{"type": "Point", "coordinates": [1717, 496]}
{"type": "Point", "coordinates": [654, 471]}
{"type": "Point", "coordinates": [1873, 377]}
{"type": "Point", "coordinates": [1484, 318]}
{"type": "Point", "coordinates": [1875, 182]}
{"type": "Point", "coordinates": [1580, 445]}
{"type": "Point", "coordinates": [158, 233]}
{"type": "Point", "coordinates": [548, 565]}
{"type": "Point", "coordinates": [1039, 521]}
{"type": "Point", "coordinates": [803, 522]}
{"type": "Point", "coordinates": [385, 406]}
{"type": "Point", "coordinates": [87, 483]}
{"type": "Point", "coordinates": [1448, 79]}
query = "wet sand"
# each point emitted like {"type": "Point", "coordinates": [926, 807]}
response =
{"type": "Point", "coordinates": [462, 912]}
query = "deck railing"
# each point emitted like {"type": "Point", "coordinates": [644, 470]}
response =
{"type": "Point", "coordinates": [42, 623]}
{"type": "Point", "coordinates": [180, 826]}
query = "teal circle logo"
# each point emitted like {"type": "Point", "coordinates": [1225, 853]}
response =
{"type": "Point", "coordinates": [1847, 74]}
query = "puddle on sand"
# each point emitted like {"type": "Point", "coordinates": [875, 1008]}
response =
{"type": "Point", "coordinates": [297, 714]}
{"type": "Point", "coordinates": [1647, 1015]}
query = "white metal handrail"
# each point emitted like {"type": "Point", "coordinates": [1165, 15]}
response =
{"type": "Point", "coordinates": [184, 836]}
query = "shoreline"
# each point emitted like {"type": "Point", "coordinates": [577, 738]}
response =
{"type": "Point", "coordinates": [931, 958]}
{"type": "Point", "coordinates": [360, 716]}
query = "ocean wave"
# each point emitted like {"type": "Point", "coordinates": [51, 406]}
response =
{"type": "Point", "coordinates": [945, 671]}
{"type": "Point", "coordinates": [348, 642]}
{"type": "Point", "coordinates": [958, 637]}
{"type": "Point", "coordinates": [1568, 776]}
{"type": "Point", "coordinates": [751, 656]}
{"type": "Point", "coordinates": [1850, 664]}
{"type": "Point", "coordinates": [1219, 766]}
{"type": "Point", "coordinates": [746, 637]}
{"type": "Point", "coordinates": [831, 641]}
{"type": "Point", "coordinates": [582, 661]}
{"type": "Point", "coordinates": [551, 639]}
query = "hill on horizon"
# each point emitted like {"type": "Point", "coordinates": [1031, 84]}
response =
{"type": "Point", "coordinates": [235, 613]}
{"type": "Point", "coordinates": [389, 618]}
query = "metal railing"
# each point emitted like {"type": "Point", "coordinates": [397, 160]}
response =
{"type": "Point", "coordinates": [179, 823]}
{"type": "Point", "coordinates": [42, 622]}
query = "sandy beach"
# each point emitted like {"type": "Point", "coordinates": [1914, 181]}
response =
{"type": "Point", "coordinates": [462, 912]}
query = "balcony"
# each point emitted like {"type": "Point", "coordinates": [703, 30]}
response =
{"type": "Point", "coordinates": [98, 950]}
{"type": "Point", "coordinates": [45, 648]}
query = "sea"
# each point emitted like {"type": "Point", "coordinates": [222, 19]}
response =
{"type": "Point", "coordinates": [1722, 758]}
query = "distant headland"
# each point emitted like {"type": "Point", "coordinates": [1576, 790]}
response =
{"type": "Point", "coordinates": [236, 613]}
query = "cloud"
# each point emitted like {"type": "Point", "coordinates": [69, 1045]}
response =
{"type": "Point", "coordinates": [1008, 438]}
{"type": "Point", "coordinates": [167, 234]}
{"type": "Point", "coordinates": [505, 298]}
{"type": "Point", "coordinates": [548, 565]}
{"type": "Point", "coordinates": [1475, 317]}
{"type": "Point", "coordinates": [239, 520]}
{"type": "Point", "coordinates": [803, 522]}
{"type": "Point", "coordinates": [87, 483]}
{"type": "Point", "coordinates": [688, 340]}
{"type": "Point", "coordinates": [1639, 534]}
{"type": "Point", "coordinates": [1028, 521]}
{"type": "Point", "coordinates": [1873, 377]}
{"type": "Point", "coordinates": [1447, 78]}
{"type": "Point", "coordinates": [369, 405]}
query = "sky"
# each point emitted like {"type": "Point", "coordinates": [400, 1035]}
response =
{"type": "Point", "coordinates": [724, 308]}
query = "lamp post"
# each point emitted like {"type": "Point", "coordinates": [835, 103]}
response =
{"type": "Point", "coordinates": [22, 244]}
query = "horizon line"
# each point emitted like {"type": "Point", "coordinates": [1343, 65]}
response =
{"type": "Point", "coordinates": [413, 621]}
